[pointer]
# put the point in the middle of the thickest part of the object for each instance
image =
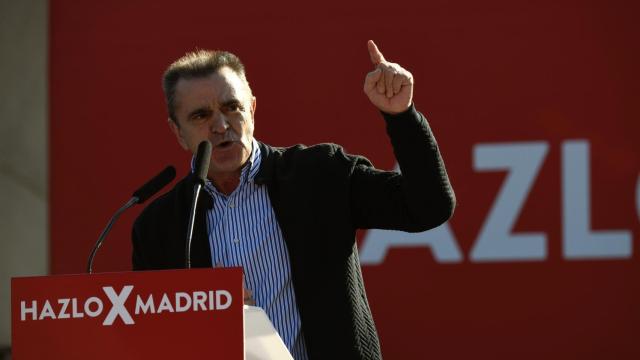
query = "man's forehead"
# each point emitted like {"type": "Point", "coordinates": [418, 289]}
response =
{"type": "Point", "coordinates": [223, 85]}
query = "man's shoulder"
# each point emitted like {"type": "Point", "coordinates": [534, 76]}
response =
{"type": "Point", "coordinates": [301, 148]}
{"type": "Point", "coordinates": [322, 161]}
{"type": "Point", "coordinates": [304, 154]}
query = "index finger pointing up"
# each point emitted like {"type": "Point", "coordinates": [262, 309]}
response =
{"type": "Point", "coordinates": [374, 53]}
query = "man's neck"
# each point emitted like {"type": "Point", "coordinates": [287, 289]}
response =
{"type": "Point", "coordinates": [227, 183]}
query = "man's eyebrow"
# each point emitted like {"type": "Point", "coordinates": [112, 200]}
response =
{"type": "Point", "coordinates": [232, 101]}
{"type": "Point", "coordinates": [200, 110]}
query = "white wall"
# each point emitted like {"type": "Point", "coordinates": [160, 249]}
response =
{"type": "Point", "coordinates": [23, 147]}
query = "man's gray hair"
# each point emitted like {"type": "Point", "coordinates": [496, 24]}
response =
{"type": "Point", "coordinates": [197, 64]}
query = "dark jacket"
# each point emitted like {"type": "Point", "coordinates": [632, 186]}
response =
{"type": "Point", "coordinates": [320, 196]}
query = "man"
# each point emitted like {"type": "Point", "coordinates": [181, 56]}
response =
{"type": "Point", "coordinates": [289, 216]}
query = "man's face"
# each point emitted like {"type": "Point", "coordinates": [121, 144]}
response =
{"type": "Point", "coordinates": [218, 108]}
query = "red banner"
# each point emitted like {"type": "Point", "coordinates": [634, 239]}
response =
{"type": "Point", "coordinates": [130, 315]}
{"type": "Point", "coordinates": [534, 105]}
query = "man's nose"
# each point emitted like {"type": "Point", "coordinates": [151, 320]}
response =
{"type": "Point", "coordinates": [219, 124]}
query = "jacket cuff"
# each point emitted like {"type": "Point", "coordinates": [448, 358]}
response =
{"type": "Point", "coordinates": [410, 113]}
{"type": "Point", "coordinates": [411, 121]}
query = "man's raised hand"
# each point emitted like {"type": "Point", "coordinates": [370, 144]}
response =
{"type": "Point", "coordinates": [389, 86]}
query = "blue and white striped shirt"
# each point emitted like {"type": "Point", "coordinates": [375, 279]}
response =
{"type": "Point", "coordinates": [243, 231]}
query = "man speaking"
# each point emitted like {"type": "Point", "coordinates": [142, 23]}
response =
{"type": "Point", "coordinates": [288, 216]}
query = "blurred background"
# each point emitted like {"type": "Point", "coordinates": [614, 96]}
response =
{"type": "Point", "coordinates": [534, 105]}
{"type": "Point", "coordinates": [24, 181]}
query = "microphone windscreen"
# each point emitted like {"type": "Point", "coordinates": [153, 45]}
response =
{"type": "Point", "coordinates": [203, 156]}
{"type": "Point", "coordinates": [154, 185]}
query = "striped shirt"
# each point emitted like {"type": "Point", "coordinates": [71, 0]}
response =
{"type": "Point", "coordinates": [243, 231]}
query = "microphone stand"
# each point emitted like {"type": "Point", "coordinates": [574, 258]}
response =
{"type": "Point", "coordinates": [203, 156]}
{"type": "Point", "coordinates": [130, 203]}
{"type": "Point", "coordinates": [192, 219]}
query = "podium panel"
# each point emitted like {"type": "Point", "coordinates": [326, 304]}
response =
{"type": "Point", "coordinates": [129, 315]}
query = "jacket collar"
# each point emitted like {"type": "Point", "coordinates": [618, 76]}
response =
{"type": "Point", "coordinates": [267, 167]}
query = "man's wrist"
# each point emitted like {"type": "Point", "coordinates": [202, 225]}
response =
{"type": "Point", "coordinates": [399, 115]}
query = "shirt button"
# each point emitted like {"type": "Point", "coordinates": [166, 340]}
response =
{"type": "Point", "coordinates": [232, 204]}
{"type": "Point", "coordinates": [236, 240]}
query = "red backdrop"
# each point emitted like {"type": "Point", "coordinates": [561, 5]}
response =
{"type": "Point", "coordinates": [534, 104]}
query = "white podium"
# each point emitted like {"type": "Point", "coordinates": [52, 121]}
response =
{"type": "Point", "coordinates": [261, 340]}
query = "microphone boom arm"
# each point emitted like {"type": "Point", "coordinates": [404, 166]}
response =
{"type": "Point", "coordinates": [130, 203]}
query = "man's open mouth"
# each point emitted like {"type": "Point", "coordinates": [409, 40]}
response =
{"type": "Point", "coordinates": [224, 144]}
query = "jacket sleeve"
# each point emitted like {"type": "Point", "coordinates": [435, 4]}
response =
{"type": "Point", "coordinates": [418, 198]}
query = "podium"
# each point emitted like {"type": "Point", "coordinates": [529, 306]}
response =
{"type": "Point", "coordinates": [167, 314]}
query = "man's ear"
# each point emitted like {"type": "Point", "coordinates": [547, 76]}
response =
{"type": "Point", "coordinates": [176, 131]}
{"type": "Point", "coordinates": [253, 107]}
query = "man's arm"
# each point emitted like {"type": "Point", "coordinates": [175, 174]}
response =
{"type": "Point", "coordinates": [419, 198]}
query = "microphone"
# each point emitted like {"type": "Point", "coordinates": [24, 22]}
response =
{"type": "Point", "coordinates": [139, 196]}
{"type": "Point", "coordinates": [203, 156]}
{"type": "Point", "coordinates": [154, 185]}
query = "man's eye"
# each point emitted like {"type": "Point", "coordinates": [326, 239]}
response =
{"type": "Point", "coordinates": [233, 108]}
{"type": "Point", "coordinates": [199, 116]}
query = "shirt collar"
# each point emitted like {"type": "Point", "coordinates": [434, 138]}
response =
{"type": "Point", "coordinates": [255, 160]}
{"type": "Point", "coordinates": [250, 169]}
